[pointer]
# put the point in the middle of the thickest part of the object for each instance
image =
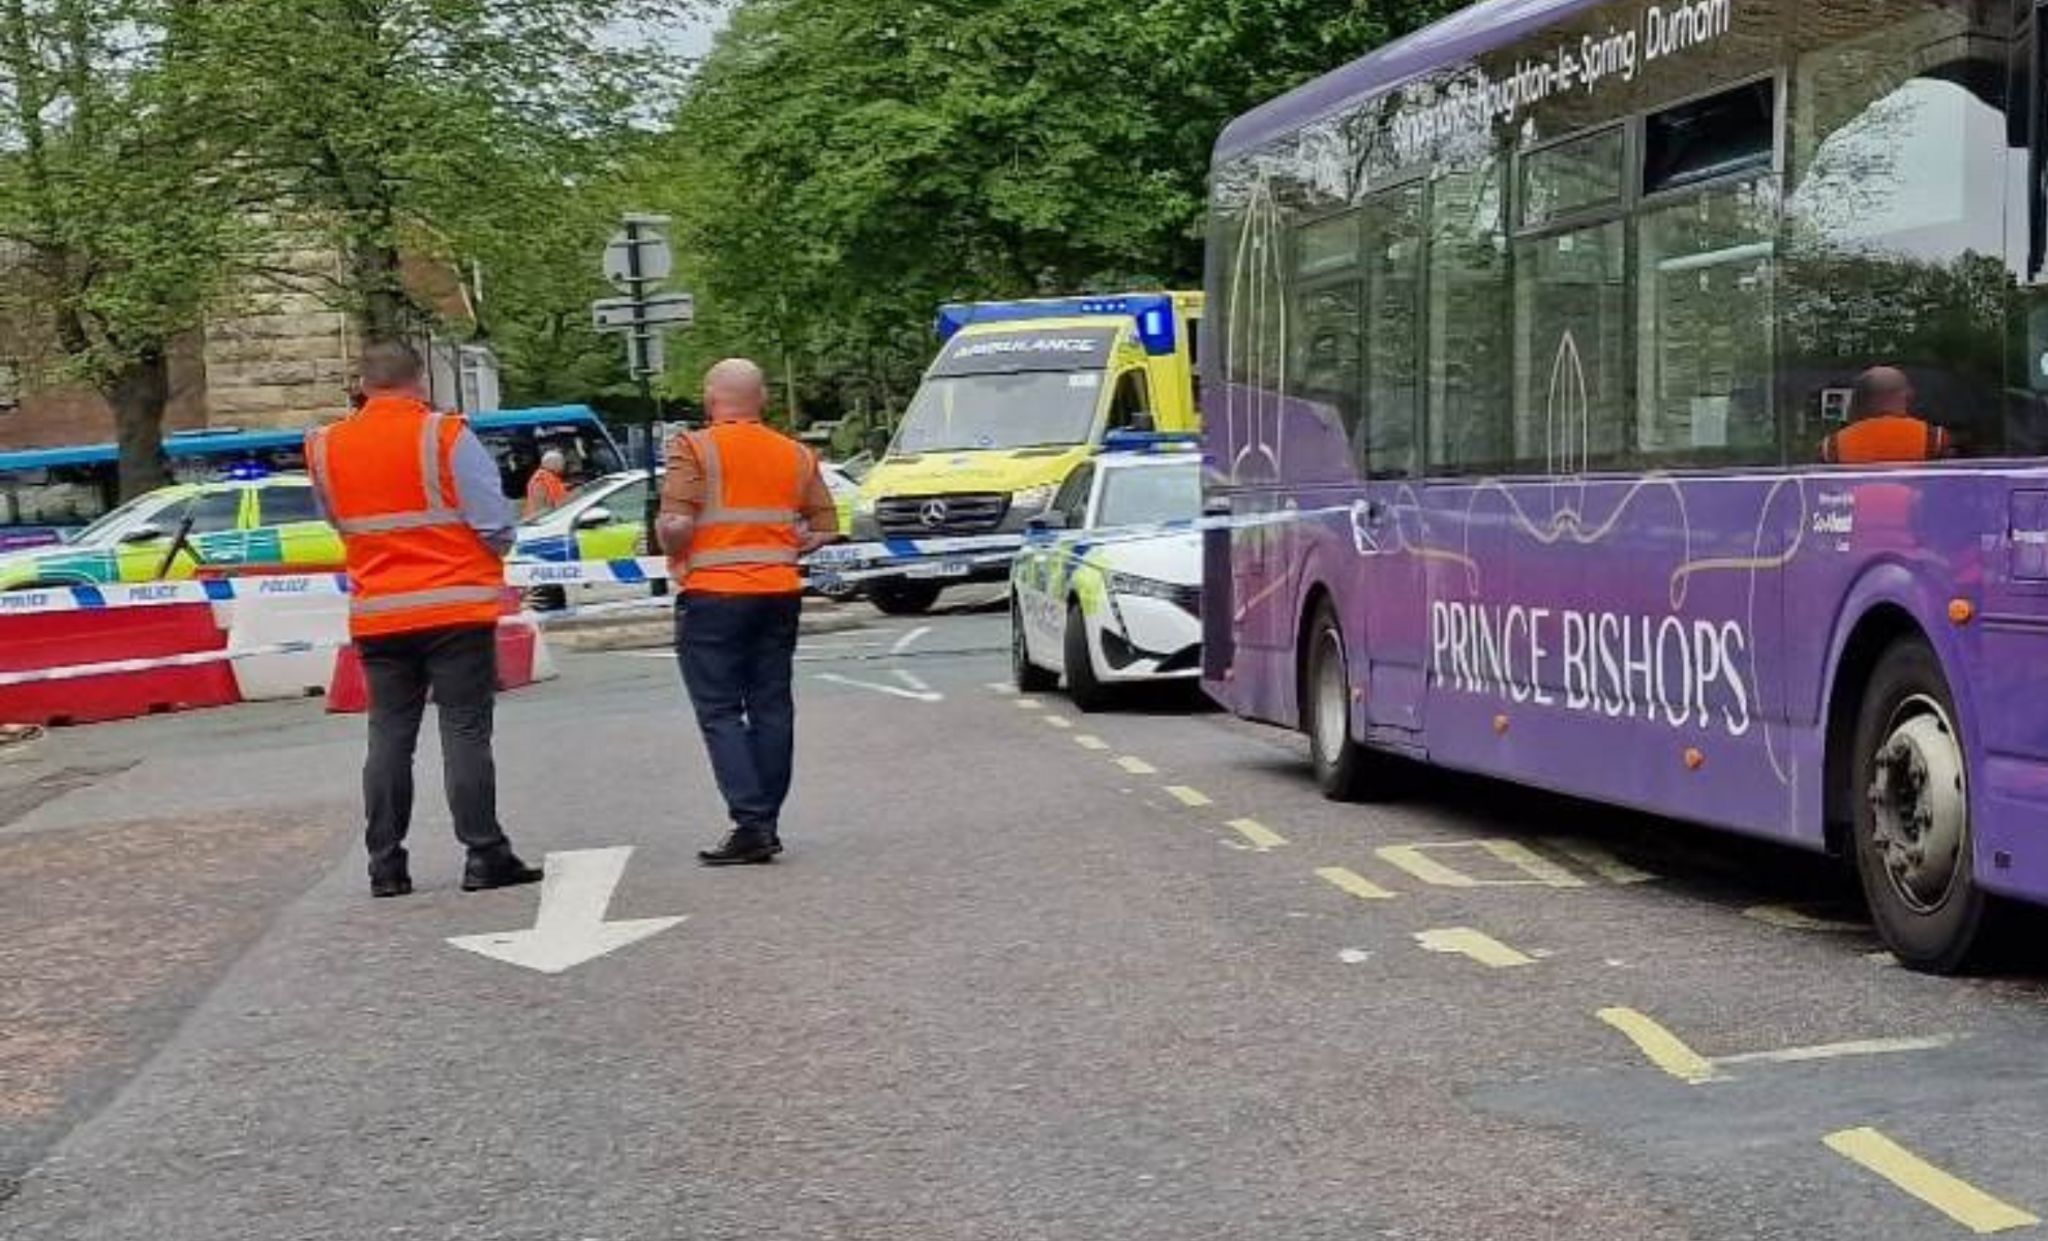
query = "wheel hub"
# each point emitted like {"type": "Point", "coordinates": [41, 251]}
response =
{"type": "Point", "coordinates": [1919, 812]}
{"type": "Point", "coordinates": [1333, 707]}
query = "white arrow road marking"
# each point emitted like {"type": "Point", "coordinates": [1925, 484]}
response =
{"type": "Point", "coordinates": [909, 640]}
{"type": "Point", "coordinates": [895, 691]}
{"type": "Point", "coordinates": [914, 681]}
{"type": "Point", "coordinates": [570, 928]}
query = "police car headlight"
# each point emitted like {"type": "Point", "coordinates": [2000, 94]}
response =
{"type": "Point", "coordinates": [864, 506]}
{"type": "Point", "coordinates": [1032, 499]}
{"type": "Point", "coordinates": [1144, 587]}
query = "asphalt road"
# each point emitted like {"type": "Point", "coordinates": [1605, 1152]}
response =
{"type": "Point", "coordinates": [1023, 974]}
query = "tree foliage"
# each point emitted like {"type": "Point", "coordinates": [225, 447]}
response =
{"type": "Point", "coordinates": [463, 130]}
{"type": "Point", "coordinates": [114, 225]}
{"type": "Point", "coordinates": [841, 166]}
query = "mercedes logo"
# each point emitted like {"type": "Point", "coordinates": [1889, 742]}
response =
{"type": "Point", "coordinates": [932, 514]}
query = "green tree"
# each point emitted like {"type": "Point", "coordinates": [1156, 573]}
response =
{"type": "Point", "coordinates": [452, 130]}
{"type": "Point", "coordinates": [114, 226]}
{"type": "Point", "coordinates": [839, 167]}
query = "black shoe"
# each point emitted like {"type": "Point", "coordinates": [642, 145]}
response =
{"type": "Point", "coordinates": [383, 886]}
{"type": "Point", "coordinates": [742, 847]}
{"type": "Point", "coordinates": [506, 872]}
{"type": "Point", "coordinates": [775, 842]}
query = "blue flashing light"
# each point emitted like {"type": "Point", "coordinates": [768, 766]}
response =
{"type": "Point", "coordinates": [1151, 441]}
{"type": "Point", "coordinates": [1157, 324]}
{"type": "Point", "coordinates": [246, 472]}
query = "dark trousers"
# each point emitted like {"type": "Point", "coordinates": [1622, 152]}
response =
{"type": "Point", "coordinates": [460, 667]}
{"type": "Point", "coordinates": [738, 654]}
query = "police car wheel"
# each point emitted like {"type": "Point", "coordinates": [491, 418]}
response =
{"type": "Point", "coordinates": [1030, 678]}
{"type": "Point", "coordinates": [904, 598]}
{"type": "Point", "coordinates": [1345, 770]}
{"type": "Point", "coordinates": [1913, 840]}
{"type": "Point", "coordinates": [1083, 686]}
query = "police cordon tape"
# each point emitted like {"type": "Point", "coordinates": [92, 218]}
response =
{"type": "Point", "coordinates": [157, 594]}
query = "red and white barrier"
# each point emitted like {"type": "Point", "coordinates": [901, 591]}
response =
{"type": "Point", "coordinates": [153, 637]}
{"type": "Point", "coordinates": [210, 647]}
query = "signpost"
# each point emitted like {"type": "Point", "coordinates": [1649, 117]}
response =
{"type": "Point", "coordinates": [637, 261]}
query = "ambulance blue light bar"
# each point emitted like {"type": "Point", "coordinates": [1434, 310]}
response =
{"type": "Point", "coordinates": [1151, 441]}
{"type": "Point", "coordinates": [1158, 332]}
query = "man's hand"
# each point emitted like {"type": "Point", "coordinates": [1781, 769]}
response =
{"type": "Point", "coordinates": [675, 530]}
{"type": "Point", "coordinates": [813, 542]}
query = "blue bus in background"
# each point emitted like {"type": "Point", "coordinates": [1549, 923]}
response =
{"type": "Point", "coordinates": [45, 492]}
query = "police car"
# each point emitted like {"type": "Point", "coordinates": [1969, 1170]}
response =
{"type": "Point", "coordinates": [256, 523]}
{"type": "Point", "coordinates": [1097, 600]}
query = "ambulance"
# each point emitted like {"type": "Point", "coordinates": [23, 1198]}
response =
{"type": "Point", "coordinates": [1021, 393]}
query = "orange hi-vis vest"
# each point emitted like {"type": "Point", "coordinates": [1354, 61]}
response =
{"type": "Point", "coordinates": [544, 491]}
{"type": "Point", "coordinates": [387, 476]}
{"type": "Point", "coordinates": [1887, 438]}
{"type": "Point", "coordinates": [746, 540]}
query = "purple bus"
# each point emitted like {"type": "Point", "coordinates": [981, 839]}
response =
{"type": "Point", "coordinates": [1544, 325]}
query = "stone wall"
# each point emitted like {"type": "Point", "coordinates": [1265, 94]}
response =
{"type": "Point", "coordinates": [280, 358]}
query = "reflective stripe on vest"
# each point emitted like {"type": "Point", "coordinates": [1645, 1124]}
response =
{"type": "Point", "coordinates": [437, 512]}
{"type": "Point", "coordinates": [437, 597]}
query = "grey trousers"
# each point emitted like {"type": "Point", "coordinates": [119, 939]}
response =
{"type": "Point", "coordinates": [460, 668]}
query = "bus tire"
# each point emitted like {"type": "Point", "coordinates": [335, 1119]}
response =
{"type": "Point", "coordinates": [1029, 677]}
{"type": "Point", "coordinates": [1083, 686]}
{"type": "Point", "coordinates": [904, 598]}
{"type": "Point", "coordinates": [1911, 806]}
{"type": "Point", "coordinates": [1346, 770]}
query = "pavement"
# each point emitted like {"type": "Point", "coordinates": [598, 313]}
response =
{"type": "Point", "coordinates": [1024, 973]}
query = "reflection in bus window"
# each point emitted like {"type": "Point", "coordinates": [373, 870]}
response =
{"type": "Point", "coordinates": [1704, 301]}
{"type": "Point", "coordinates": [1895, 224]}
{"type": "Point", "coordinates": [1393, 395]}
{"type": "Point", "coordinates": [1571, 368]}
{"type": "Point", "coordinates": [1468, 329]}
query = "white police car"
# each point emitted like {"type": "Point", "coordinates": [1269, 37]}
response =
{"type": "Point", "coordinates": [1098, 607]}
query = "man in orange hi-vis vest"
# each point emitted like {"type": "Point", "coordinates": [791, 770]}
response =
{"type": "Point", "coordinates": [741, 505]}
{"type": "Point", "coordinates": [426, 526]}
{"type": "Point", "coordinates": [1885, 429]}
{"type": "Point", "coordinates": [545, 491]}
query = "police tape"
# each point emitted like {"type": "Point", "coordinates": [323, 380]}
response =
{"type": "Point", "coordinates": [158, 594]}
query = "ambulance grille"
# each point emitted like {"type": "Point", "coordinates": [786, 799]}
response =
{"type": "Point", "coordinates": [913, 517]}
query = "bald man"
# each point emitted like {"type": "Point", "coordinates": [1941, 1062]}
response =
{"type": "Point", "coordinates": [547, 489]}
{"type": "Point", "coordinates": [741, 504]}
{"type": "Point", "coordinates": [1884, 429]}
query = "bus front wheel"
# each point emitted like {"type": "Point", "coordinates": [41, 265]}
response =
{"type": "Point", "coordinates": [1914, 845]}
{"type": "Point", "coordinates": [1345, 770]}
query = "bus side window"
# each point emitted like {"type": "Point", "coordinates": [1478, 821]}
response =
{"type": "Point", "coordinates": [1895, 251]}
{"type": "Point", "coordinates": [1327, 341]}
{"type": "Point", "coordinates": [1130, 408]}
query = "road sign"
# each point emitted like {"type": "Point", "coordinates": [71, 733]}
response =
{"type": "Point", "coordinates": [646, 354]}
{"type": "Point", "coordinates": [640, 254]}
{"type": "Point", "coordinates": [625, 314]}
